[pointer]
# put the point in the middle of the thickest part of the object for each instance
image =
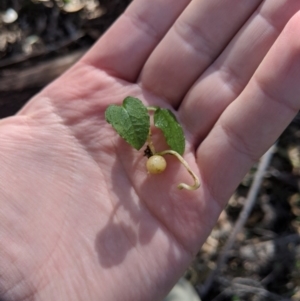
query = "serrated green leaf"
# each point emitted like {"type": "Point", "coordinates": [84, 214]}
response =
{"type": "Point", "coordinates": [165, 120]}
{"type": "Point", "coordinates": [131, 121]}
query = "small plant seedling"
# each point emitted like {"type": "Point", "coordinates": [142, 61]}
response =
{"type": "Point", "coordinates": [131, 121]}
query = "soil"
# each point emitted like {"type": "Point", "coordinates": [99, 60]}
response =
{"type": "Point", "coordinates": [45, 39]}
{"type": "Point", "coordinates": [264, 263]}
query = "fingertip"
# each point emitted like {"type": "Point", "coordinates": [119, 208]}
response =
{"type": "Point", "coordinates": [292, 29]}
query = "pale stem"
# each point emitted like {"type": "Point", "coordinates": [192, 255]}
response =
{"type": "Point", "coordinates": [185, 164]}
{"type": "Point", "coordinates": [149, 140]}
{"type": "Point", "coordinates": [152, 108]}
{"type": "Point", "coordinates": [150, 143]}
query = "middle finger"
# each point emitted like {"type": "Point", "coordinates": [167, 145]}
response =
{"type": "Point", "coordinates": [195, 40]}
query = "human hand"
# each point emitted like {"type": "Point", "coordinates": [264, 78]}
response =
{"type": "Point", "coordinates": [80, 219]}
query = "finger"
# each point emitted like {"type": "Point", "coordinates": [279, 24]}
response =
{"type": "Point", "coordinates": [123, 50]}
{"type": "Point", "coordinates": [250, 125]}
{"type": "Point", "coordinates": [194, 41]}
{"type": "Point", "coordinates": [230, 73]}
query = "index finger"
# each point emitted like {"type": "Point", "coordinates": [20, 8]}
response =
{"type": "Point", "coordinates": [124, 48]}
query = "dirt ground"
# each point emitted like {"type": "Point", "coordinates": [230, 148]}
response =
{"type": "Point", "coordinates": [264, 262]}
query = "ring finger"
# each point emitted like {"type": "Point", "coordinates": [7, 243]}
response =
{"type": "Point", "coordinates": [225, 79]}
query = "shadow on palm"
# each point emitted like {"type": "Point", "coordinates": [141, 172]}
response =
{"type": "Point", "coordinates": [143, 205]}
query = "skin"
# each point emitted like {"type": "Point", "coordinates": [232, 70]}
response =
{"type": "Point", "coordinates": [80, 219]}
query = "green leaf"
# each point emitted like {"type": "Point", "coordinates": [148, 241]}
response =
{"type": "Point", "coordinates": [131, 121]}
{"type": "Point", "coordinates": [165, 120]}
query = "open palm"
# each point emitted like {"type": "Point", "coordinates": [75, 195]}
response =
{"type": "Point", "coordinates": [80, 218]}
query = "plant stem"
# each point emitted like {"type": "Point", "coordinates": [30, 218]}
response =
{"type": "Point", "coordinates": [149, 140]}
{"type": "Point", "coordinates": [152, 108]}
{"type": "Point", "coordinates": [150, 143]}
{"type": "Point", "coordinates": [185, 164]}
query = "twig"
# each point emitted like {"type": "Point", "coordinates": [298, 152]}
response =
{"type": "Point", "coordinates": [243, 291]}
{"type": "Point", "coordinates": [250, 201]}
{"type": "Point", "coordinates": [16, 59]}
{"type": "Point", "coordinates": [38, 75]}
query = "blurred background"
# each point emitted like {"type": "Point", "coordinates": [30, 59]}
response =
{"type": "Point", "coordinates": [40, 39]}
